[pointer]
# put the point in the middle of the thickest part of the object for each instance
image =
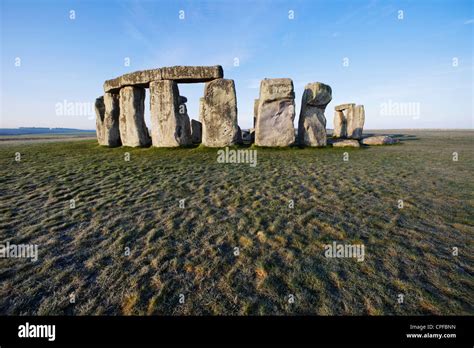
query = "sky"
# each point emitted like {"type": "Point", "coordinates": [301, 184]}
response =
{"type": "Point", "coordinates": [410, 63]}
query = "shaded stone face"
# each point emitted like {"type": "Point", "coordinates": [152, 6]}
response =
{"type": "Point", "coordinates": [111, 120]}
{"type": "Point", "coordinates": [312, 126]}
{"type": "Point", "coordinates": [317, 94]}
{"type": "Point", "coordinates": [255, 111]}
{"type": "Point", "coordinates": [196, 131]}
{"type": "Point", "coordinates": [349, 121]}
{"type": "Point", "coordinates": [169, 120]}
{"type": "Point", "coordinates": [133, 131]}
{"type": "Point", "coordinates": [340, 125]}
{"type": "Point", "coordinates": [182, 74]}
{"type": "Point", "coordinates": [355, 129]}
{"type": "Point", "coordinates": [276, 113]}
{"type": "Point", "coordinates": [183, 129]}
{"type": "Point", "coordinates": [99, 119]}
{"type": "Point", "coordinates": [218, 114]}
{"type": "Point", "coordinates": [312, 122]}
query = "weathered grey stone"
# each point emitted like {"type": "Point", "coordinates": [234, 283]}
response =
{"type": "Point", "coordinates": [239, 136]}
{"type": "Point", "coordinates": [379, 140]}
{"type": "Point", "coordinates": [169, 120]}
{"type": "Point", "coordinates": [355, 124]}
{"type": "Point", "coordinates": [192, 74]}
{"type": "Point", "coordinates": [182, 74]}
{"type": "Point", "coordinates": [196, 131]}
{"type": "Point", "coordinates": [344, 106]}
{"type": "Point", "coordinates": [346, 143]}
{"type": "Point", "coordinates": [276, 89]}
{"type": "Point", "coordinates": [340, 125]}
{"type": "Point", "coordinates": [349, 121]}
{"type": "Point", "coordinates": [276, 113]}
{"type": "Point", "coordinates": [183, 129]}
{"type": "Point", "coordinates": [255, 111]}
{"type": "Point", "coordinates": [99, 119]}
{"type": "Point", "coordinates": [140, 78]}
{"type": "Point", "coordinates": [317, 94]}
{"type": "Point", "coordinates": [111, 134]}
{"type": "Point", "coordinates": [133, 131]}
{"type": "Point", "coordinates": [312, 122]}
{"type": "Point", "coordinates": [218, 114]}
{"type": "Point", "coordinates": [248, 136]}
{"type": "Point", "coordinates": [252, 135]}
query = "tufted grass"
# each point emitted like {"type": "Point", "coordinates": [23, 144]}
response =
{"type": "Point", "coordinates": [190, 251]}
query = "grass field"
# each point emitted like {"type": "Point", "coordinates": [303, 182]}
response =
{"type": "Point", "coordinates": [191, 251]}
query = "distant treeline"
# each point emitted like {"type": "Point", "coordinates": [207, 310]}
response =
{"type": "Point", "coordinates": [41, 130]}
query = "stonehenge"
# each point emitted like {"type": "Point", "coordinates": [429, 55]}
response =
{"type": "Point", "coordinates": [170, 125]}
{"type": "Point", "coordinates": [99, 119]}
{"type": "Point", "coordinates": [218, 114]}
{"type": "Point", "coordinates": [133, 131]}
{"type": "Point", "coordinates": [196, 132]}
{"type": "Point", "coordinates": [181, 74]}
{"type": "Point", "coordinates": [275, 113]}
{"type": "Point", "coordinates": [120, 113]}
{"type": "Point", "coordinates": [312, 122]}
{"type": "Point", "coordinates": [349, 121]}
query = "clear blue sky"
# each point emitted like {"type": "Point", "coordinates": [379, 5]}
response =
{"type": "Point", "coordinates": [391, 60]}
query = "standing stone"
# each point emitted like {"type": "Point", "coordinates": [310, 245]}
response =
{"type": "Point", "coordinates": [255, 111]}
{"type": "Point", "coordinates": [349, 121]}
{"type": "Point", "coordinates": [99, 119]}
{"type": "Point", "coordinates": [218, 114]}
{"type": "Point", "coordinates": [340, 125]}
{"type": "Point", "coordinates": [240, 140]}
{"type": "Point", "coordinates": [312, 122]}
{"type": "Point", "coordinates": [183, 129]}
{"type": "Point", "coordinates": [196, 131]}
{"type": "Point", "coordinates": [357, 124]}
{"type": "Point", "coordinates": [111, 135]}
{"type": "Point", "coordinates": [169, 119]}
{"type": "Point", "coordinates": [133, 131]}
{"type": "Point", "coordinates": [276, 113]}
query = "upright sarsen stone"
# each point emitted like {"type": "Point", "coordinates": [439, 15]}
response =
{"type": "Point", "coordinates": [99, 119]}
{"type": "Point", "coordinates": [312, 122]}
{"type": "Point", "coordinates": [107, 110]}
{"type": "Point", "coordinates": [349, 121]}
{"type": "Point", "coordinates": [196, 131]}
{"type": "Point", "coordinates": [111, 136]}
{"type": "Point", "coordinates": [356, 126]}
{"type": "Point", "coordinates": [183, 129]}
{"type": "Point", "coordinates": [255, 111]}
{"type": "Point", "coordinates": [133, 131]}
{"type": "Point", "coordinates": [340, 125]}
{"type": "Point", "coordinates": [276, 113]}
{"type": "Point", "coordinates": [169, 118]}
{"type": "Point", "coordinates": [218, 114]}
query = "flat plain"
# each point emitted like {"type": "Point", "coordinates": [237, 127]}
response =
{"type": "Point", "coordinates": [423, 250]}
